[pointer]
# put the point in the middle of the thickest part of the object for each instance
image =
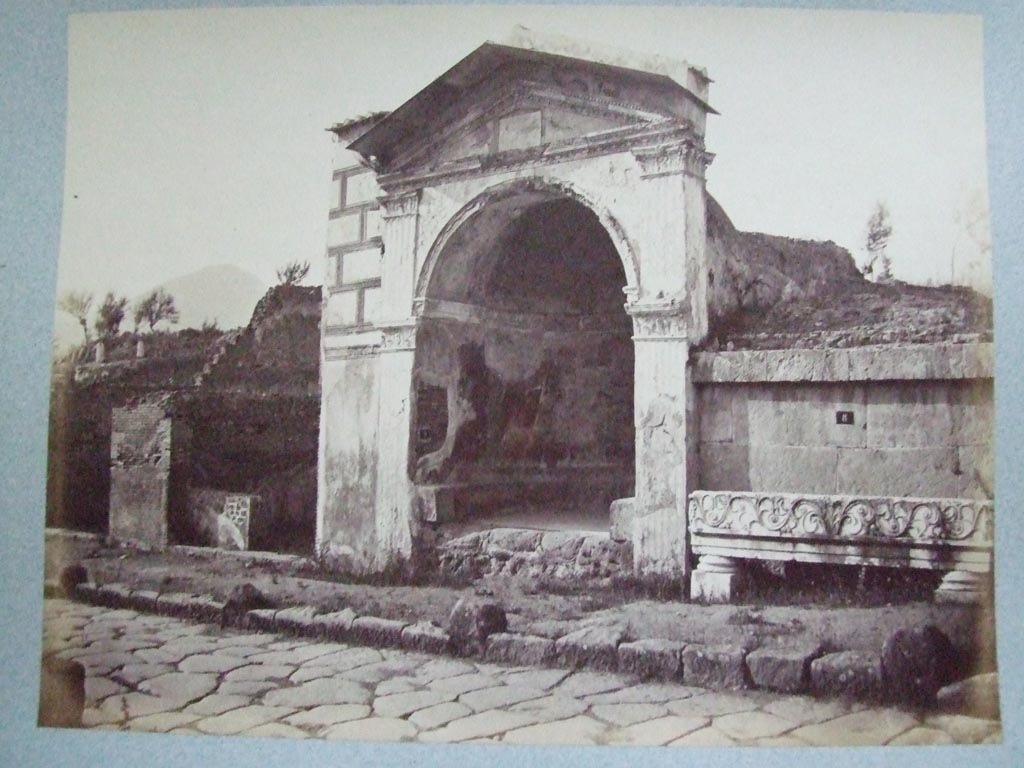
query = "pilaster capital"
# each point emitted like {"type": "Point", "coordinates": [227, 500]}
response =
{"type": "Point", "coordinates": [685, 156]}
{"type": "Point", "coordinates": [659, 321]}
{"type": "Point", "coordinates": [402, 204]}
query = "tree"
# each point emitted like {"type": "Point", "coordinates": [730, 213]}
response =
{"type": "Point", "coordinates": [154, 307]}
{"type": "Point", "coordinates": [877, 240]}
{"type": "Point", "coordinates": [77, 304]}
{"type": "Point", "coordinates": [293, 273]}
{"type": "Point", "coordinates": [110, 315]}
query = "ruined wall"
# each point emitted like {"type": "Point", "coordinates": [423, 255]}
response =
{"type": "Point", "coordinates": [917, 421]}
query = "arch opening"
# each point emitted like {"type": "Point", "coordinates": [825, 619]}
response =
{"type": "Point", "coordinates": [524, 368]}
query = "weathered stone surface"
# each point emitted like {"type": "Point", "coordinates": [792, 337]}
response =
{"type": "Point", "coordinates": [746, 726]}
{"type": "Point", "coordinates": [593, 647]}
{"type": "Point", "coordinates": [114, 595]}
{"type": "Point", "coordinates": [373, 729]}
{"type": "Point", "coordinates": [337, 625]}
{"type": "Point", "coordinates": [161, 722]}
{"type": "Point", "coordinates": [133, 674]}
{"type": "Point", "coordinates": [260, 672]}
{"type": "Point", "coordinates": [660, 731]}
{"type": "Point", "coordinates": [963, 729]}
{"type": "Point", "coordinates": [328, 714]}
{"type": "Point", "coordinates": [238, 720]}
{"type": "Point", "coordinates": [870, 727]}
{"type": "Point", "coordinates": [181, 687]}
{"type": "Point", "coordinates": [576, 730]}
{"type": "Point", "coordinates": [402, 704]}
{"type": "Point", "coordinates": [537, 678]}
{"type": "Point", "coordinates": [712, 704]}
{"type": "Point", "coordinates": [499, 696]}
{"type": "Point", "coordinates": [660, 659]}
{"type": "Point", "coordinates": [588, 683]}
{"type": "Point", "coordinates": [378, 632]}
{"type": "Point", "coordinates": [715, 666]}
{"type": "Point", "coordinates": [329, 690]}
{"type": "Point", "coordinates": [472, 621]}
{"type": "Point", "coordinates": [297, 620]}
{"type": "Point", "coordinates": [919, 737]}
{"type": "Point", "coordinates": [916, 663]}
{"type": "Point", "coordinates": [212, 662]}
{"type": "Point", "coordinates": [553, 707]}
{"type": "Point", "coordinates": [426, 637]}
{"type": "Point", "coordinates": [216, 704]}
{"type": "Point", "coordinates": [259, 619]}
{"type": "Point", "coordinates": [438, 715]}
{"type": "Point", "coordinates": [479, 725]}
{"type": "Point", "coordinates": [977, 696]}
{"type": "Point", "coordinates": [61, 693]}
{"type": "Point", "coordinates": [857, 674]}
{"type": "Point", "coordinates": [525, 650]}
{"type": "Point", "coordinates": [628, 714]}
{"type": "Point", "coordinates": [786, 669]}
{"type": "Point", "coordinates": [621, 514]}
{"type": "Point", "coordinates": [277, 731]}
{"type": "Point", "coordinates": [703, 737]}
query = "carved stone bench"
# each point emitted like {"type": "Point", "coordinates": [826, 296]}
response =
{"type": "Point", "coordinates": [951, 535]}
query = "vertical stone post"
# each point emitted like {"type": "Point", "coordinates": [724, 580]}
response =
{"type": "Point", "coordinates": [660, 416]}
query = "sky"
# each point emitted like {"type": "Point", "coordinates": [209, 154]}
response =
{"type": "Point", "coordinates": [197, 138]}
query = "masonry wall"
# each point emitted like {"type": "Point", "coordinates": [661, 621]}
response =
{"type": "Point", "coordinates": [913, 432]}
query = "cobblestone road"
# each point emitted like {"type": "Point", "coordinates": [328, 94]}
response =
{"type": "Point", "coordinates": [151, 673]}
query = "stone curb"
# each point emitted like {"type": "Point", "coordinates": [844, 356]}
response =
{"type": "Point", "coordinates": [848, 674]}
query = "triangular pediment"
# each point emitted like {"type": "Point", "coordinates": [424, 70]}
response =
{"type": "Point", "coordinates": [502, 101]}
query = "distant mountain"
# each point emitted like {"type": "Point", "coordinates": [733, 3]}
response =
{"type": "Point", "coordinates": [222, 293]}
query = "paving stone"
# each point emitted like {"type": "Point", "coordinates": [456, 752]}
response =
{"type": "Point", "coordinates": [918, 737]}
{"type": "Point", "coordinates": [977, 696]}
{"type": "Point", "coordinates": [480, 725]}
{"type": "Point", "coordinates": [162, 722]}
{"type": "Point", "coordinates": [745, 726]}
{"type": "Point", "coordinates": [216, 704]}
{"type": "Point", "coordinates": [426, 637]}
{"type": "Point", "coordinates": [704, 737]}
{"type": "Point", "coordinates": [575, 730]}
{"type": "Point", "coordinates": [336, 625]}
{"type": "Point", "coordinates": [99, 688]}
{"type": "Point", "coordinates": [537, 678]}
{"type": "Point", "coordinates": [438, 669]}
{"type": "Point", "coordinates": [463, 683]}
{"type": "Point", "coordinates": [661, 659]}
{"type": "Point", "coordinates": [780, 741]}
{"type": "Point", "coordinates": [713, 704]}
{"type": "Point", "coordinates": [331, 690]}
{"type": "Point", "coordinates": [786, 669]}
{"type": "Point", "coordinates": [299, 655]}
{"type": "Point", "coordinates": [329, 714]}
{"type": "Point", "coordinates": [305, 674]}
{"type": "Point", "coordinates": [161, 655]}
{"type": "Point", "coordinates": [396, 685]}
{"type": "Point", "coordinates": [857, 674]}
{"type": "Point", "coordinates": [552, 707]}
{"type": "Point", "coordinates": [133, 674]}
{"type": "Point", "coordinates": [438, 715]}
{"type": "Point", "coordinates": [963, 729]}
{"type": "Point", "coordinates": [350, 658]}
{"type": "Point", "coordinates": [869, 727]}
{"type": "Point", "coordinates": [371, 674]}
{"type": "Point", "coordinates": [259, 672]}
{"type": "Point", "coordinates": [499, 696]}
{"type": "Point", "coordinates": [238, 720]}
{"type": "Point", "coordinates": [133, 705]}
{"type": "Point", "coordinates": [718, 667]}
{"type": "Point", "coordinates": [628, 714]}
{"type": "Point", "coordinates": [658, 732]}
{"type": "Point", "coordinates": [402, 704]}
{"type": "Point", "coordinates": [592, 647]}
{"type": "Point", "coordinates": [528, 650]}
{"type": "Point", "coordinates": [182, 687]}
{"type": "Point", "coordinates": [95, 717]}
{"type": "Point", "coordinates": [245, 687]}
{"type": "Point", "coordinates": [645, 693]}
{"type": "Point", "coordinates": [586, 683]}
{"type": "Point", "coordinates": [378, 632]}
{"type": "Point", "coordinates": [372, 729]}
{"type": "Point", "coordinates": [122, 644]}
{"type": "Point", "coordinates": [277, 731]}
{"type": "Point", "coordinates": [211, 662]}
{"type": "Point", "coordinates": [104, 660]}
{"type": "Point", "coordinates": [804, 710]}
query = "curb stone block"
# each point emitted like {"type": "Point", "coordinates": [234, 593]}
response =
{"type": "Point", "coordinates": [87, 593]}
{"type": "Point", "coordinates": [851, 674]}
{"type": "Point", "coordinates": [786, 669]}
{"type": "Point", "coordinates": [259, 619]}
{"type": "Point", "coordinates": [114, 595]}
{"type": "Point", "coordinates": [175, 604]}
{"type": "Point", "coordinates": [718, 667]}
{"type": "Point", "coordinates": [205, 608]}
{"type": "Point", "coordinates": [70, 577]}
{"type": "Point", "coordinates": [336, 626]}
{"type": "Point", "coordinates": [296, 620]}
{"type": "Point", "coordinates": [655, 658]}
{"type": "Point", "coordinates": [427, 638]}
{"type": "Point", "coordinates": [520, 650]}
{"type": "Point", "coordinates": [378, 632]}
{"type": "Point", "coordinates": [145, 600]}
{"type": "Point", "coordinates": [592, 647]}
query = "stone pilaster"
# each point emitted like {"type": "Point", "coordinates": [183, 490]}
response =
{"type": "Point", "coordinates": [398, 271]}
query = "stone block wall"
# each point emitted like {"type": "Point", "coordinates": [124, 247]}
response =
{"type": "Point", "coordinates": [909, 422]}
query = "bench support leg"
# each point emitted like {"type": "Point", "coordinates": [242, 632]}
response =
{"type": "Point", "coordinates": [961, 587]}
{"type": "Point", "coordinates": [715, 580]}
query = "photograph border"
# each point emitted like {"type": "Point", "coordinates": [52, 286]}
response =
{"type": "Point", "coordinates": [33, 55]}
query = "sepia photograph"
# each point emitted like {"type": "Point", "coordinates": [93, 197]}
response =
{"type": "Point", "coordinates": [592, 376]}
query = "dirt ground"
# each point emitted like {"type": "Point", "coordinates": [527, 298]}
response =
{"type": "Point", "coordinates": [840, 617]}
